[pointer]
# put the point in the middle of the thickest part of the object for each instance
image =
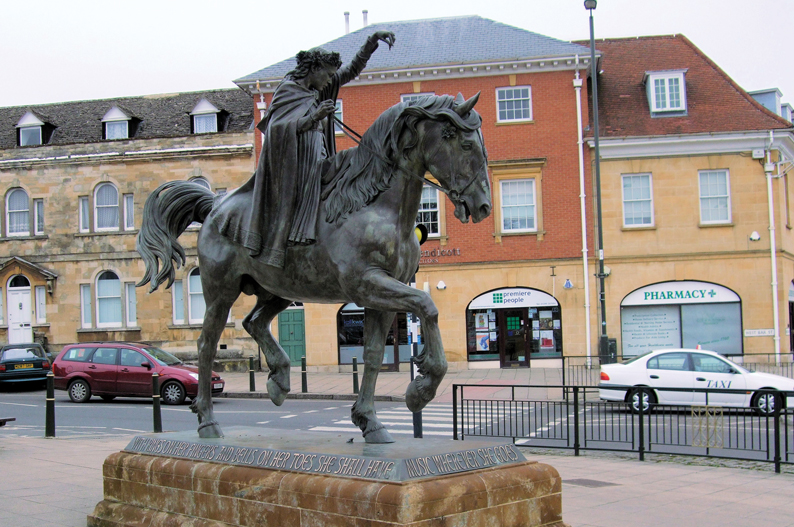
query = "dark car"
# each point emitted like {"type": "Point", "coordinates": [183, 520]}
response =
{"type": "Point", "coordinates": [24, 363]}
{"type": "Point", "coordinates": [113, 369]}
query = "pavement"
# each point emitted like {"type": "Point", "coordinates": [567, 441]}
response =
{"type": "Point", "coordinates": [57, 482]}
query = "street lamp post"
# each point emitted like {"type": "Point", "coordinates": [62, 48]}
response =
{"type": "Point", "coordinates": [603, 343]}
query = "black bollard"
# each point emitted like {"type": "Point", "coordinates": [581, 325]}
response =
{"type": "Point", "coordinates": [49, 427]}
{"type": "Point", "coordinates": [304, 380]}
{"type": "Point", "coordinates": [251, 380]}
{"type": "Point", "coordinates": [158, 419]}
{"type": "Point", "coordinates": [355, 375]}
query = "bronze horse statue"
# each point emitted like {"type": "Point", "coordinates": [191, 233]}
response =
{"type": "Point", "coordinates": [366, 249]}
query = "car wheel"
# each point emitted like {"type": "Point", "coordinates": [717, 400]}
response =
{"type": "Point", "coordinates": [765, 403]}
{"type": "Point", "coordinates": [107, 398]}
{"type": "Point", "coordinates": [79, 391]}
{"type": "Point", "coordinates": [173, 393]}
{"type": "Point", "coordinates": [648, 399]}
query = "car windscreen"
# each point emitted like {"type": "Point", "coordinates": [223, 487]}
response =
{"type": "Point", "coordinates": [163, 357]}
{"type": "Point", "coordinates": [21, 354]}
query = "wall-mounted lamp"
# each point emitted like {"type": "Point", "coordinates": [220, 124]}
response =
{"type": "Point", "coordinates": [441, 285]}
{"type": "Point", "coordinates": [754, 236]}
{"type": "Point", "coordinates": [568, 284]}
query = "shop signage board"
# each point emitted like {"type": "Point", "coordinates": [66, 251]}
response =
{"type": "Point", "coordinates": [650, 328]}
{"type": "Point", "coordinates": [683, 292]}
{"type": "Point", "coordinates": [513, 297]}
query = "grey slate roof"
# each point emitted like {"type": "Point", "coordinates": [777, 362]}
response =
{"type": "Point", "coordinates": [438, 41]}
{"type": "Point", "coordinates": [160, 116]}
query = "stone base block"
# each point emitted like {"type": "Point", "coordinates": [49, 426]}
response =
{"type": "Point", "coordinates": [158, 491]}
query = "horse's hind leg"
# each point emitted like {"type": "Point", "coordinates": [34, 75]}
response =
{"type": "Point", "coordinates": [215, 317]}
{"type": "Point", "coordinates": [376, 328]}
{"type": "Point", "coordinates": [257, 324]}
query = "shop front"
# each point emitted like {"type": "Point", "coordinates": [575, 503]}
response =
{"type": "Point", "coordinates": [513, 326]}
{"type": "Point", "coordinates": [350, 338]}
{"type": "Point", "coordinates": [681, 314]}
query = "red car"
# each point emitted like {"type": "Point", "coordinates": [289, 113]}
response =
{"type": "Point", "coordinates": [112, 369]}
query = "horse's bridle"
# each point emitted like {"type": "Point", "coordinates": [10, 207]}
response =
{"type": "Point", "coordinates": [453, 194]}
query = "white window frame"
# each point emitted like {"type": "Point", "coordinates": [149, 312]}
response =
{"type": "Point", "coordinates": [131, 304]}
{"type": "Point", "coordinates": [502, 206]}
{"type": "Point", "coordinates": [84, 214]}
{"type": "Point", "coordinates": [97, 228]}
{"type": "Point", "coordinates": [728, 196]}
{"type": "Point", "coordinates": [500, 99]}
{"type": "Point", "coordinates": [41, 304]}
{"type": "Point", "coordinates": [339, 114]}
{"type": "Point", "coordinates": [665, 77]}
{"type": "Point", "coordinates": [123, 135]}
{"type": "Point", "coordinates": [624, 200]}
{"type": "Point", "coordinates": [2, 311]}
{"type": "Point", "coordinates": [26, 210]}
{"type": "Point", "coordinates": [437, 210]}
{"type": "Point", "coordinates": [213, 128]}
{"type": "Point", "coordinates": [86, 312]}
{"type": "Point", "coordinates": [25, 128]}
{"type": "Point", "coordinates": [111, 324]}
{"type": "Point", "coordinates": [38, 213]}
{"type": "Point", "coordinates": [129, 212]}
{"type": "Point", "coordinates": [408, 97]}
{"type": "Point", "coordinates": [191, 294]}
{"type": "Point", "coordinates": [177, 299]}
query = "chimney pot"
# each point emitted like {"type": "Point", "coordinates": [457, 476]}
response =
{"type": "Point", "coordinates": [365, 12]}
{"type": "Point", "coordinates": [347, 22]}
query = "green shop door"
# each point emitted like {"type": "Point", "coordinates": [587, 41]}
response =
{"type": "Point", "coordinates": [292, 335]}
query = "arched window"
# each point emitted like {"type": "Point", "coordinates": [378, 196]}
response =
{"type": "Point", "coordinates": [106, 207]}
{"type": "Point", "coordinates": [18, 213]}
{"type": "Point", "coordinates": [196, 305]}
{"type": "Point", "coordinates": [108, 300]}
{"type": "Point", "coordinates": [201, 181]}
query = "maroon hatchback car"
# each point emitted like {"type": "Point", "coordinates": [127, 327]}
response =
{"type": "Point", "coordinates": [112, 369]}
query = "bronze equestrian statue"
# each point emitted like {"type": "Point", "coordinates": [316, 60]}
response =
{"type": "Point", "coordinates": [362, 247]}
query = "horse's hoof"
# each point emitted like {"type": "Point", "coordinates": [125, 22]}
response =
{"type": "Point", "coordinates": [276, 393]}
{"type": "Point", "coordinates": [210, 430]}
{"type": "Point", "coordinates": [378, 436]}
{"type": "Point", "coordinates": [417, 397]}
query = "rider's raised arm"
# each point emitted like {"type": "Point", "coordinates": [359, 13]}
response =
{"type": "Point", "coordinates": [351, 70]}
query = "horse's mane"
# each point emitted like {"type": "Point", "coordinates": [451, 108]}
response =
{"type": "Point", "coordinates": [362, 171]}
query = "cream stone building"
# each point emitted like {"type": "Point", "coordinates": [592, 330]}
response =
{"type": "Point", "coordinates": [696, 205]}
{"type": "Point", "coordinates": [74, 180]}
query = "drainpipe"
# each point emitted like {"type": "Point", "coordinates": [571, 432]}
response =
{"type": "Point", "coordinates": [768, 167]}
{"type": "Point", "coordinates": [577, 84]}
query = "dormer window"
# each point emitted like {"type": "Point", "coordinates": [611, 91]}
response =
{"type": "Point", "coordinates": [205, 117]}
{"type": "Point", "coordinates": [29, 130]}
{"type": "Point", "coordinates": [116, 124]}
{"type": "Point", "coordinates": [666, 91]}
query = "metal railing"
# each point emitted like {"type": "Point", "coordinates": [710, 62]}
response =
{"type": "Point", "coordinates": [581, 421]}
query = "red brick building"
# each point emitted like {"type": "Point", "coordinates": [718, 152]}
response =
{"type": "Point", "coordinates": [529, 253]}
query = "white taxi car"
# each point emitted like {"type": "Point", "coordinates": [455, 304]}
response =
{"type": "Point", "coordinates": [692, 369]}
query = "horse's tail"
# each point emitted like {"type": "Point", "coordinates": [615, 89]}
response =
{"type": "Point", "coordinates": [165, 217]}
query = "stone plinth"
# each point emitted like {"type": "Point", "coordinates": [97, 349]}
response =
{"type": "Point", "coordinates": [320, 480]}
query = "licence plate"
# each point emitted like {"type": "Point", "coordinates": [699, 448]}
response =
{"type": "Point", "coordinates": [23, 366]}
{"type": "Point", "coordinates": [217, 385]}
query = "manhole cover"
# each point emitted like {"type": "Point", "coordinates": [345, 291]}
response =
{"type": "Point", "coordinates": [589, 483]}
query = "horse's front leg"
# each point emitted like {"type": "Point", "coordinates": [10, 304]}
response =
{"type": "Point", "coordinates": [376, 328]}
{"type": "Point", "coordinates": [377, 290]}
{"type": "Point", "coordinates": [214, 321]}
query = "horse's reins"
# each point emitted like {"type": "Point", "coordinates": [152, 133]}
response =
{"type": "Point", "coordinates": [357, 139]}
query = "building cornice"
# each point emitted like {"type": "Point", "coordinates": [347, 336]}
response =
{"type": "Point", "coordinates": [127, 155]}
{"type": "Point", "coordinates": [443, 71]}
{"type": "Point", "coordinates": [694, 144]}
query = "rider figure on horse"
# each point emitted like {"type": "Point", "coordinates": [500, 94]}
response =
{"type": "Point", "coordinates": [298, 138]}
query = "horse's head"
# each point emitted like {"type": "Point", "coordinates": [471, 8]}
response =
{"type": "Point", "coordinates": [455, 154]}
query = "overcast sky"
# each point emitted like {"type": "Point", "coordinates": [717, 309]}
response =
{"type": "Point", "coordinates": [66, 50]}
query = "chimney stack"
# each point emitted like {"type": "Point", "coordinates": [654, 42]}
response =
{"type": "Point", "coordinates": [347, 22]}
{"type": "Point", "coordinates": [364, 12]}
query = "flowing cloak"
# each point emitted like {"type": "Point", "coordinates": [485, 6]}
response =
{"type": "Point", "coordinates": [284, 192]}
